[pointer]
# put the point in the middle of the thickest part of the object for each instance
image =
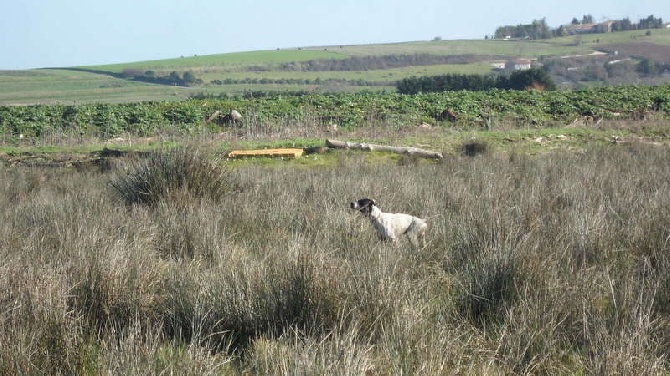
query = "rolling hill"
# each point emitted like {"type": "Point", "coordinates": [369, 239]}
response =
{"type": "Point", "coordinates": [574, 61]}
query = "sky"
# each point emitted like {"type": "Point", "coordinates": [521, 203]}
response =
{"type": "Point", "coordinates": [63, 33]}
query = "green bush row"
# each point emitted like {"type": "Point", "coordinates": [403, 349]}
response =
{"type": "Point", "coordinates": [518, 80]}
{"type": "Point", "coordinates": [344, 109]}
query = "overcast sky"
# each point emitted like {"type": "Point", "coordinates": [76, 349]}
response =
{"type": "Point", "coordinates": [60, 33]}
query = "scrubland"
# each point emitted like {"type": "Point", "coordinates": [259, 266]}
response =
{"type": "Point", "coordinates": [556, 263]}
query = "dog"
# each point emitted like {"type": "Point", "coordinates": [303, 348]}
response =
{"type": "Point", "coordinates": [390, 226]}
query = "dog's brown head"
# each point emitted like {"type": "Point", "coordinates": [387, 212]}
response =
{"type": "Point", "coordinates": [363, 205]}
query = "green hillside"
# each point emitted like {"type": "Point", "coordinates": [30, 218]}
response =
{"type": "Point", "coordinates": [348, 68]}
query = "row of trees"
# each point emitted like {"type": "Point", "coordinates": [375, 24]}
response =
{"type": "Point", "coordinates": [174, 78]}
{"type": "Point", "coordinates": [299, 81]}
{"type": "Point", "coordinates": [364, 63]}
{"type": "Point", "coordinates": [519, 80]}
{"type": "Point", "coordinates": [538, 29]}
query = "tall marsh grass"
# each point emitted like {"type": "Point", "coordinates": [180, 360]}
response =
{"type": "Point", "coordinates": [548, 264]}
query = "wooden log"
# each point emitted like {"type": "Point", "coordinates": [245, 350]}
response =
{"type": "Point", "coordinates": [409, 150]}
{"type": "Point", "coordinates": [282, 152]}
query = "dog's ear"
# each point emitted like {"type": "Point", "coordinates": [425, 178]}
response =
{"type": "Point", "coordinates": [369, 203]}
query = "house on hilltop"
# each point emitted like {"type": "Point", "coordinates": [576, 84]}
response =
{"type": "Point", "coordinates": [590, 28]}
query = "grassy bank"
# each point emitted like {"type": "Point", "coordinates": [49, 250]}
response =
{"type": "Point", "coordinates": [555, 263]}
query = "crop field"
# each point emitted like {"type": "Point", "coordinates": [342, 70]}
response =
{"type": "Point", "coordinates": [550, 264]}
{"type": "Point", "coordinates": [273, 115]}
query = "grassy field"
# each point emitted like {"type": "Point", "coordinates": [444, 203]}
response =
{"type": "Point", "coordinates": [51, 86]}
{"type": "Point", "coordinates": [97, 84]}
{"type": "Point", "coordinates": [556, 263]}
{"type": "Point", "coordinates": [230, 61]}
{"type": "Point", "coordinates": [548, 244]}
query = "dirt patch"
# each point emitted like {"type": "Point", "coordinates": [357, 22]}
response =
{"type": "Point", "coordinates": [651, 51]}
{"type": "Point", "coordinates": [102, 161]}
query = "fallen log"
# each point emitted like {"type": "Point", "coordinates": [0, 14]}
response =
{"type": "Point", "coordinates": [409, 150]}
{"type": "Point", "coordinates": [282, 153]}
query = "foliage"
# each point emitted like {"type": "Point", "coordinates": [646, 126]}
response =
{"type": "Point", "coordinates": [519, 80]}
{"type": "Point", "coordinates": [538, 29]}
{"type": "Point", "coordinates": [373, 62]}
{"type": "Point", "coordinates": [531, 79]}
{"type": "Point", "coordinates": [344, 110]}
{"type": "Point", "coordinates": [448, 82]}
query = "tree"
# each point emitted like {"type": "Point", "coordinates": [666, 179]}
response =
{"type": "Point", "coordinates": [189, 78]}
{"type": "Point", "coordinates": [650, 22]}
{"type": "Point", "coordinates": [622, 25]}
{"type": "Point", "coordinates": [647, 67]}
{"type": "Point", "coordinates": [531, 78]}
{"type": "Point", "coordinates": [561, 31]}
{"type": "Point", "coordinates": [540, 29]}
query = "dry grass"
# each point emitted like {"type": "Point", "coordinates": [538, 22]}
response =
{"type": "Point", "coordinates": [549, 264]}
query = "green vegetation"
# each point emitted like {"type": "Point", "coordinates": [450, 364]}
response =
{"type": "Point", "coordinates": [476, 110]}
{"type": "Point", "coordinates": [230, 60]}
{"type": "Point", "coordinates": [533, 78]}
{"type": "Point", "coordinates": [52, 86]}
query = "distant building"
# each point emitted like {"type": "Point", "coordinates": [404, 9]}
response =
{"type": "Point", "coordinates": [603, 27]}
{"type": "Point", "coordinates": [592, 28]}
{"type": "Point", "coordinates": [498, 65]}
{"type": "Point", "coordinates": [518, 65]}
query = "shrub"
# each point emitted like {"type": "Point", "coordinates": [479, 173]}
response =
{"type": "Point", "coordinates": [473, 148]}
{"type": "Point", "coordinates": [172, 175]}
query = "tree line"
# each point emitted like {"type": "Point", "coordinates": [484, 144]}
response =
{"type": "Point", "coordinates": [174, 78]}
{"type": "Point", "coordinates": [519, 80]}
{"type": "Point", "coordinates": [376, 62]}
{"type": "Point", "coordinates": [299, 81]}
{"type": "Point", "coordinates": [538, 29]}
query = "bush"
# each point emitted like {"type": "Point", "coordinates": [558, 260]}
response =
{"type": "Point", "coordinates": [474, 148]}
{"type": "Point", "coordinates": [176, 175]}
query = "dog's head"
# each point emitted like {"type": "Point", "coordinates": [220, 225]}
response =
{"type": "Point", "coordinates": [364, 205]}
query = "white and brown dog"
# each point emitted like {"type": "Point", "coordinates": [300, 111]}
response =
{"type": "Point", "coordinates": [390, 226]}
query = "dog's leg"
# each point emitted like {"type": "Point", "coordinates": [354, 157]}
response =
{"type": "Point", "coordinates": [421, 234]}
{"type": "Point", "coordinates": [413, 240]}
{"type": "Point", "coordinates": [424, 227]}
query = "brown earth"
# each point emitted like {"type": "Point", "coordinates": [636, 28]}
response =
{"type": "Point", "coordinates": [651, 51]}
